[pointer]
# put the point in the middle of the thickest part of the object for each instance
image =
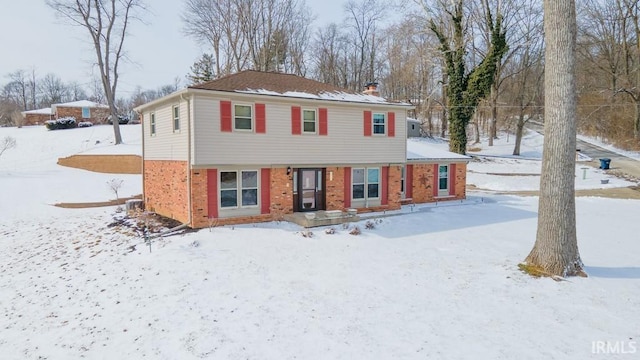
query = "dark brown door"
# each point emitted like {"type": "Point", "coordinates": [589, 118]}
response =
{"type": "Point", "coordinates": [310, 189]}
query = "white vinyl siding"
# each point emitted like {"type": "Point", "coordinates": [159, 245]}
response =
{"type": "Point", "coordinates": [345, 143]}
{"type": "Point", "coordinates": [165, 144]}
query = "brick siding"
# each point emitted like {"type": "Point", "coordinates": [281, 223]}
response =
{"type": "Point", "coordinates": [165, 188]}
{"type": "Point", "coordinates": [98, 115]}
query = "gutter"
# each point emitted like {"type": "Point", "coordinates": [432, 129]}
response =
{"type": "Point", "coordinates": [189, 178]}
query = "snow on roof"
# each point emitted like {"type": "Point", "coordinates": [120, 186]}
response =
{"type": "Point", "coordinates": [288, 85]}
{"type": "Point", "coordinates": [334, 96]}
{"type": "Point", "coordinates": [421, 149]}
{"type": "Point", "coordinates": [43, 111]}
{"type": "Point", "coordinates": [80, 103]}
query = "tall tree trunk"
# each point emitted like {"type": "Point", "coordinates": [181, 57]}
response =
{"type": "Point", "coordinates": [555, 252]}
{"type": "Point", "coordinates": [636, 128]}
{"type": "Point", "coordinates": [519, 133]}
{"type": "Point", "coordinates": [443, 122]}
{"type": "Point", "coordinates": [493, 131]}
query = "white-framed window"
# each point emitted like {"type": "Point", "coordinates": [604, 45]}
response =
{"type": "Point", "coordinates": [309, 121]}
{"type": "Point", "coordinates": [152, 123]}
{"type": "Point", "coordinates": [243, 117]}
{"type": "Point", "coordinates": [176, 118]}
{"type": "Point", "coordinates": [365, 183]}
{"type": "Point", "coordinates": [238, 189]}
{"type": "Point", "coordinates": [379, 123]}
{"type": "Point", "coordinates": [443, 178]}
{"type": "Point", "coordinates": [86, 112]}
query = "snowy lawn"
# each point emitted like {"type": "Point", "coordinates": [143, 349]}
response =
{"type": "Point", "coordinates": [435, 282]}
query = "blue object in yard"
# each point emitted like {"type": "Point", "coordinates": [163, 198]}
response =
{"type": "Point", "coordinates": [604, 163]}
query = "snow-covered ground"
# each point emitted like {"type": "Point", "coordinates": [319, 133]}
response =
{"type": "Point", "coordinates": [436, 282]}
{"type": "Point", "coordinates": [495, 167]}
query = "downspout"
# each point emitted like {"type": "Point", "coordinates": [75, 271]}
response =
{"type": "Point", "coordinates": [144, 197]}
{"type": "Point", "coordinates": [189, 179]}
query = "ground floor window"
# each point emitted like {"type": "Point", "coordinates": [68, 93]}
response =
{"type": "Point", "coordinates": [365, 183]}
{"type": "Point", "coordinates": [443, 177]}
{"type": "Point", "coordinates": [238, 188]}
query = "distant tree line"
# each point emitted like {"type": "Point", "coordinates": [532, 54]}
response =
{"type": "Point", "coordinates": [396, 45]}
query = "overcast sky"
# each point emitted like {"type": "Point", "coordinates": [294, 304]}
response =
{"type": "Point", "coordinates": [32, 37]}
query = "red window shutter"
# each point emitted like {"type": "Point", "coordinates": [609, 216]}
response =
{"type": "Point", "coordinates": [384, 193]}
{"type": "Point", "coordinates": [408, 182]}
{"type": "Point", "coordinates": [296, 124]}
{"type": "Point", "coordinates": [225, 116]}
{"type": "Point", "coordinates": [367, 123]}
{"type": "Point", "coordinates": [436, 179]}
{"type": "Point", "coordinates": [323, 121]}
{"type": "Point", "coordinates": [212, 193]}
{"type": "Point", "coordinates": [265, 191]}
{"type": "Point", "coordinates": [452, 179]}
{"type": "Point", "coordinates": [392, 124]}
{"type": "Point", "coordinates": [347, 187]}
{"type": "Point", "coordinates": [261, 121]}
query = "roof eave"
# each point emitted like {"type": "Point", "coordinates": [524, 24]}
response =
{"type": "Point", "coordinates": [141, 108]}
{"type": "Point", "coordinates": [253, 94]}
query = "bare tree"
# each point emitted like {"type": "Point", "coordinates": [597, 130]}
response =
{"type": "Point", "coordinates": [52, 90]}
{"type": "Point", "coordinates": [267, 35]}
{"type": "Point", "coordinates": [7, 143]}
{"type": "Point", "coordinates": [107, 23]}
{"type": "Point", "coordinates": [555, 252]}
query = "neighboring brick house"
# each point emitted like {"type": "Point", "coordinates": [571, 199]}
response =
{"type": "Point", "coordinates": [37, 117]}
{"type": "Point", "coordinates": [83, 110]}
{"type": "Point", "coordinates": [254, 146]}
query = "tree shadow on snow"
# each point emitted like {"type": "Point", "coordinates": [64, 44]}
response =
{"type": "Point", "coordinates": [494, 210]}
{"type": "Point", "coordinates": [613, 272]}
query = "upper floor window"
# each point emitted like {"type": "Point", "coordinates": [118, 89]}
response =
{"type": "Point", "coordinates": [152, 123]}
{"type": "Point", "coordinates": [243, 119]}
{"type": "Point", "coordinates": [86, 113]}
{"type": "Point", "coordinates": [379, 123]}
{"type": "Point", "coordinates": [309, 121]}
{"type": "Point", "coordinates": [366, 183]}
{"type": "Point", "coordinates": [176, 118]}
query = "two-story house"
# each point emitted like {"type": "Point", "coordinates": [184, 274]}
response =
{"type": "Point", "coordinates": [254, 146]}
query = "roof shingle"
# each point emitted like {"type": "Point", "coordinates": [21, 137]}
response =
{"type": "Point", "coordinates": [248, 80]}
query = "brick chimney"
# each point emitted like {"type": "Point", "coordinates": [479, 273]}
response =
{"type": "Point", "coordinates": [371, 89]}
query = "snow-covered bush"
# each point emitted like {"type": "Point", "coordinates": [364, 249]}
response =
{"type": "Point", "coordinates": [82, 124]}
{"type": "Point", "coordinates": [355, 231]}
{"type": "Point", "coordinates": [68, 122]}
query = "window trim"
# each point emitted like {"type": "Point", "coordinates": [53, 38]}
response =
{"type": "Point", "coordinates": [366, 183]}
{"type": "Point", "coordinates": [252, 118]}
{"type": "Point", "coordinates": [175, 119]}
{"type": "Point", "coordinates": [384, 124]}
{"type": "Point", "coordinates": [88, 109]}
{"type": "Point", "coordinates": [446, 189]}
{"type": "Point", "coordinates": [239, 188]}
{"type": "Point", "coordinates": [315, 121]}
{"type": "Point", "coordinates": [152, 124]}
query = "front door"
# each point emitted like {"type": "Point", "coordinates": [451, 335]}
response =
{"type": "Point", "coordinates": [310, 190]}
